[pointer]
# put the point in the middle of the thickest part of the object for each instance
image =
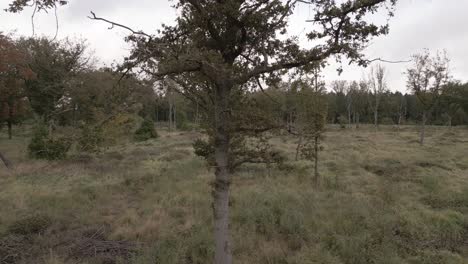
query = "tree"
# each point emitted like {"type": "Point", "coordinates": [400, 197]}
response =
{"type": "Point", "coordinates": [341, 102]}
{"type": "Point", "coordinates": [55, 64]}
{"type": "Point", "coordinates": [425, 79]}
{"type": "Point", "coordinates": [14, 71]}
{"type": "Point", "coordinates": [378, 86]}
{"type": "Point", "coordinates": [464, 96]}
{"type": "Point", "coordinates": [311, 120]}
{"type": "Point", "coordinates": [399, 101]}
{"type": "Point", "coordinates": [360, 102]}
{"type": "Point", "coordinates": [217, 50]}
{"type": "Point", "coordinates": [451, 100]}
{"type": "Point", "coordinates": [352, 98]}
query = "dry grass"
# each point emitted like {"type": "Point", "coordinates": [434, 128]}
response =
{"type": "Point", "coordinates": [383, 199]}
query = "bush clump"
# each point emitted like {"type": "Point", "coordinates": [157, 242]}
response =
{"type": "Point", "coordinates": [91, 139]}
{"type": "Point", "coordinates": [42, 146]}
{"type": "Point", "coordinates": [146, 131]}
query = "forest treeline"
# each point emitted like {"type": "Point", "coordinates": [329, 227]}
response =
{"type": "Point", "coordinates": [58, 83]}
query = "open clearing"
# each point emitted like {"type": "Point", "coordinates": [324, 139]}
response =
{"type": "Point", "coordinates": [383, 199]}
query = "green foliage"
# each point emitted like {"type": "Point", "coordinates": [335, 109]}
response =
{"type": "Point", "coordinates": [182, 121]}
{"type": "Point", "coordinates": [42, 146]}
{"type": "Point", "coordinates": [204, 149]}
{"type": "Point", "coordinates": [55, 63]}
{"type": "Point", "coordinates": [146, 131]}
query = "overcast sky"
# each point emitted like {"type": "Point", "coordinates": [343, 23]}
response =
{"type": "Point", "coordinates": [418, 24]}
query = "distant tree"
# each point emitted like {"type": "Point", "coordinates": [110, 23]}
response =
{"type": "Point", "coordinates": [426, 78]}
{"type": "Point", "coordinates": [340, 89]}
{"type": "Point", "coordinates": [360, 102]}
{"type": "Point", "coordinates": [55, 64]}
{"type": "Point", "coordinates": [352, 101]}
{"type": "Point", "coordinates": [464, 96]}
{"type": "Point", "coordinates": [14, 71]}
{"type": "Point", "coordinates": [378, 86]}
{"type": "Point", "coordinates": [400, 104]}
{"type": "Point", "coordinates": [311, 121]}
{"type": "Point", "coordinates": [96, 95]}
{"type": "Point", "coordinates": [104, 105]}
{"type": "Point", "coordinates": [451, 101]}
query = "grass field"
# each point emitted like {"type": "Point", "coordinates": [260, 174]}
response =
{"type": "Point", "coordinates": [383, 199]}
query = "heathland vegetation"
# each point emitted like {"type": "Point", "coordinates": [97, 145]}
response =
{"type": "Point", "coordinates": [115, 164]}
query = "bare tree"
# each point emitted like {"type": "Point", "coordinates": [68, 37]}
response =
{"type": "Point", "coordinates": [402, 107]}
{"type": "Point", "coordinates": [378, 86]}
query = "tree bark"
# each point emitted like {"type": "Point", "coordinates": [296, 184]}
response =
{"type": "Point", "coordinates": [376, 117]}
{"type": "Point", "coordinates": [357, 120]}
{"type": "Point", "coordinates": [5, 161]}
{"type": "Point", "coordinates": [399, 120]}
{"type": "Point", "coordinates": [423, 128]}
{"type": "Point", "coordinates": [222, 183]}
{"type": "Point", "coordinates": [349, 116]}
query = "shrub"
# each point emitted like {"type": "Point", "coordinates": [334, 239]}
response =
{"type": "Point", "coordinates": [343, 121]}
{"type": "Point", "coordinates": [118, 128]}
{"type": "Point", "coordinates": [146, 131]}
{"type": "Point", "coordinates": [42, 146]}
{"type": "Point", "coordinates": [91, 139]}
{"type": "Point", "coordinates": [203, 149]}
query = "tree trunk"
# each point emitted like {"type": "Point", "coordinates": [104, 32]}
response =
{"type": "Point", "coordinates": [349, 118]}
{"type": "Point", "coordinates": [196, 116]}
{"type": "Point", "coordinates": [399, 120]}
{"type": "Point", "coordinates": [450, 122]}
{"type": "Point", "coordinates": [170, 115]}
{"type": "Point", "coordinates": [51, 128]}
{"type": "Point", "coordinates": [5, 161]}
{"type": "Point", "coordinates": [10, 129]}
{"type": "Point", "coordinates": [423, 128]}
{"type": "Point", "coordinates": [376, 118]}
{"type": "Point", "coordinates": [298, 148]}
{"type": "Point", "coordinates": [157, 114]}
{"type": "Point", "coordinates": [174, 121]}
{"type": "Point", "coordinates": [222, 179]}
{"type": "Point", "coordinates": [316, 150]}
{"type": "Point", "coordinates": [357, 120]}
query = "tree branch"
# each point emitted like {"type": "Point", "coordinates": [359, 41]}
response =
{"type": "Point", "coordinates": [94, 17]}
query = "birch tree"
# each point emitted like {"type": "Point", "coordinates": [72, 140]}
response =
{"type": "Point", "coordinates": [378, 86]}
